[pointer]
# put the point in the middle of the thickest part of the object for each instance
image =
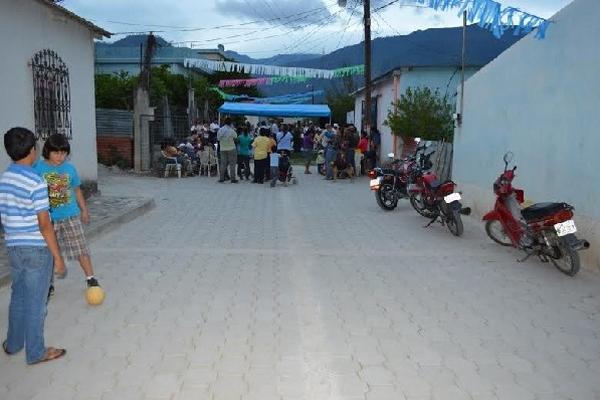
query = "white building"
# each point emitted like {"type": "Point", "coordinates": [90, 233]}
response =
{"type": "Point", "coordinates": [47, 77]}
{"type": "Point", "coordinates": [388, 88]}
{"type": "Point", "coordinates": [541, 100]}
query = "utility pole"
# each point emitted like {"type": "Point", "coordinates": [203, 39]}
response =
{"type": "Point", "coordinates": [367, 23]}
{"type": "Point", "coordinates": [462, 70]}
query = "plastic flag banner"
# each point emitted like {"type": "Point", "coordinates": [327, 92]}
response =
{"type": "Point", "coordinates": [293, 98]}
{"type": "Point", "coordinates": [260, 69]}
{"type": "Point", "coordinates": [490, 15]}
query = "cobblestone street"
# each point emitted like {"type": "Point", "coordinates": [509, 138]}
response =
{"type": "Point", "coordinates": [308, 292]}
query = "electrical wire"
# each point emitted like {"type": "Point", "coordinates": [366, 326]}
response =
{"type": "Point", "coordinates": [288, 32]}
{"type": "Point", "coordinates": [188, 29]}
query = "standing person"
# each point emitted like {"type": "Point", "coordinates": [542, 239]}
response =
{"type": "Point", "coordinates": [31, 246]}
{"type": "Point", "coordinates": [363, 147]}
{"type": "Point", "coordinates": [68, 207]}
{"type": "Point", "coordinates": [227, 137]}
{"type": "Point", "coordinates": [307, 147]}
{"type": "Point", "coordinates": [330, 144]}
{"type": "Point", "coordinates": [284, 140]}
{"type": "Point", "coordinates": [244, 143]}
{"type": "Point", "coordinates": [274, 164]}
{"type": "Point", "coordinates": [274, 127]}
{"type": "Point", "coordinates": [272, 149]}
{"type": "Point", "coordinates": [262, 145]}
{"type": "Point", "coordinates": [352, 142]}
{"type": "Point", "coordinates": [213, 128]}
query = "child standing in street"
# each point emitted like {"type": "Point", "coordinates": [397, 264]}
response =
{"type": "Point", "coordinates": [31, 246]}
{"type": "Point", "coordinates": [68, 208]}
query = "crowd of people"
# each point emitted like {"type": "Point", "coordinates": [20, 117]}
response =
{"type": "Point", "coordinates": [257, 153]}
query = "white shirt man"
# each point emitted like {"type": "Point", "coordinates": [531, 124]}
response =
{"type": "Point", "coordinates": [284, 141]}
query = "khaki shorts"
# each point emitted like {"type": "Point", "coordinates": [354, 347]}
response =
{"type": "Point", "coordinates": [70, 237]}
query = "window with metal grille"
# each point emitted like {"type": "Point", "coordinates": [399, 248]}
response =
{"type": "Point", "coordinates": [51, 95]}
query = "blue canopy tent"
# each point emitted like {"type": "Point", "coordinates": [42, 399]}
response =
{"type": "Point", "coordinates": [276, 110]}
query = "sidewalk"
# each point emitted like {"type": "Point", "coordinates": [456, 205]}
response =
{"type": "Point", "coordinates": [106, 213]}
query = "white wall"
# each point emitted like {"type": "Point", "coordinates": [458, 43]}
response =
{"type": "Point", "coordinates": [540, 99]}
{"type": "Point", "coordinates": [444, 79]}
{"type": "Point", "coordinates": [25, 28]}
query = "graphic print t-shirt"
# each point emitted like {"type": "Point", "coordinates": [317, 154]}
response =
{"type": "Point", "coordinates": [62, 181]}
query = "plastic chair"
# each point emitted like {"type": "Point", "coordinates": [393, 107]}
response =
{"type": "Point", "coordinates": [171, 164]}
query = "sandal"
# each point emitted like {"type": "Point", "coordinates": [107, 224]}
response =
{"type": "Point", "coordinates": [51, 354]}
{"type": "Point", "coordinates": [8, 353]}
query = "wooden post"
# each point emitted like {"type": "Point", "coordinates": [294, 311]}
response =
{"type": "Point", "coordinates": [367, 23]}
{"type": "Point", "coordinates": [462, 78]}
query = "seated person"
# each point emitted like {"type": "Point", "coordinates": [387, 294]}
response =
{"type": "Point", "coordinates": [174, 156]}
{"type": "Point", "coordinates": [321, 162]}
{"type": "Point", "coordinates": [342, 166]}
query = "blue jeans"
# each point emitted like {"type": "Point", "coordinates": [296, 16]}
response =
{"type": "Point", "coordinates": [330, 155]}
{"type": "Point", "coordinates": [31, 270]}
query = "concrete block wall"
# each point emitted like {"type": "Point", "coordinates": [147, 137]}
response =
{"type": "Point", "coordinates": [123, 144]}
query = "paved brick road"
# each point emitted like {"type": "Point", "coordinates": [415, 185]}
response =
{"type": "Point", "coordinates": [309, 292]}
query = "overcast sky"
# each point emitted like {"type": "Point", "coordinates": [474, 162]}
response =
{"type": "Point", "coordinates": [262, 28]}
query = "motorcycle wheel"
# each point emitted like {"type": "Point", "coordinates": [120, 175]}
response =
{"type": "Point", "coordinates": [495, 231]}
{"type": "Point", "coordinates": [386, 198]}
{"type": "Point", "coordinates": [568, 259]}
{"type": "Point", "coordinates": [454, 223]}
{"type": "Point", "coordinates": [416, 201]}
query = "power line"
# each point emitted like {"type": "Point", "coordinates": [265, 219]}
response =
{"type": "Point", "coordinates": [347, 24]}
{"type": "Point", "coordinates": [246, 34]}
{"type": "Point", "coordinates": [188, 29]}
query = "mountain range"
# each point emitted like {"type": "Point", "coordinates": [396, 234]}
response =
{"type": "Point", "coordinates": [429, 47]}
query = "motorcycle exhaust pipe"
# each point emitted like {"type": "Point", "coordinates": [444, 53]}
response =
{"type": "Point", "coordinates": [581, 245]}
{"type": "Point", "coordinates": [465, 211]}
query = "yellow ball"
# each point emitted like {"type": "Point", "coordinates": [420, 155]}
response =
{"type": "Point", "coordinates": [94, 295]}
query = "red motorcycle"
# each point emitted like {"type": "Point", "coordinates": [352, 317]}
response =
{"type": "Point", "coordinates": [546, 230]}
{"type": "Point", "coordinates": [437, 200]}
{"type": "Point", "coordinates": [390, 184]}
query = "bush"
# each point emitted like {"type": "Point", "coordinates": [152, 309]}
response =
{"type": "Point", "coordinates": [422, 113]}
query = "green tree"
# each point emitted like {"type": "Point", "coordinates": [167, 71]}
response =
{"type": "Point", "coordinates": [422, 113]}
{"type": "Point", "coordinates": [339, 98]}
{"type": "Point", "coordinates": [115, 90]}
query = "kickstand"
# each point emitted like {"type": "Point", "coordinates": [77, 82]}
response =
{"type": "Point", "coordinates": [431, 222]}
{"type": "Point", "coordinates": [526, 257]}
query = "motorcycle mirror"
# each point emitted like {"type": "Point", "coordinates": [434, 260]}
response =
{"type": "Point", "coordinates": [508, 157]}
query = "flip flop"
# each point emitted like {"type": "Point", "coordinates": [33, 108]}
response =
{"type": "Point", "coordinates": [8, 353]}
{"type": "Point", "coordinates": [51, 354]}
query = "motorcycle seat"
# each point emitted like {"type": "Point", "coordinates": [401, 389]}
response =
{"type": "Point", "coordinates": [435, 184]}
{"type": "Point", "coordinates": [541, 210]}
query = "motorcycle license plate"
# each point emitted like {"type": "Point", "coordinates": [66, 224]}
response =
{"type": "Point", "coordinates": [565, 228]}
{"type": "Point", "coordinates": [375, 182]}
{"type": "Point", "coordinates": [452, 197]}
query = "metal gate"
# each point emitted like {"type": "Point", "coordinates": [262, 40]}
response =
{"type": "Point", "coordinates": [172, 129]}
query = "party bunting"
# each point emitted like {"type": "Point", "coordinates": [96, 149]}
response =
{"type": "Point", "coordinates": [269, 70]}
{"type": "Point", "coordinates": [261, 81]}
{"type": "Point", "coordinates": [293, 98]}
{"type": "Point", "coordinates": [490, 15]}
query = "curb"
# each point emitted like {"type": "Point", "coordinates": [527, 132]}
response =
{"type": "Point", "coordinates": [96, 231]}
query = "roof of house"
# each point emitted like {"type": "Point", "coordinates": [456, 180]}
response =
{"type": "Point", "coordinates": [94, 28]}
{"type": "Point", "coordinates": [109, 54]}
{"type": "Point", "coordinates": [389, 74]}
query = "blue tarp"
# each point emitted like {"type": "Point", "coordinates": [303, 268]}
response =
{"type": "Point", "coordinates": [276, 110]}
